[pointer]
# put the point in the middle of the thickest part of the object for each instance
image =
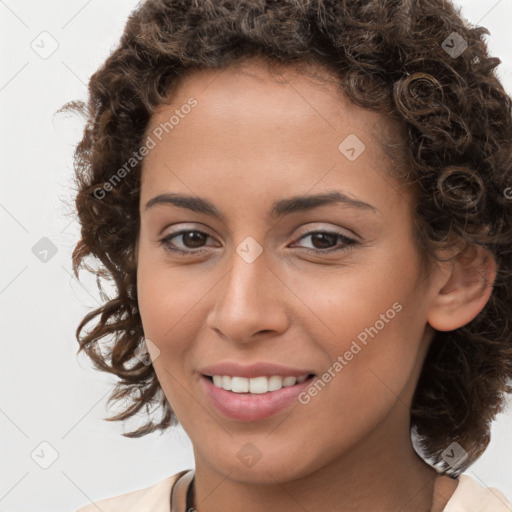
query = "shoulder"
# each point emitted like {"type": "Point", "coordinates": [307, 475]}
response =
{"type": "Point", "coordinates": [155, 498]}
{"type": "Point", "coordinates": [470, 496]}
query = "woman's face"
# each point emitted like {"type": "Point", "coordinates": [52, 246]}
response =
{"type": "Point", "coordinates": [260, 283]}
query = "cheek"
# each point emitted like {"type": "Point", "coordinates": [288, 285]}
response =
{"type": "Point", "coordinates": [166, 296]}
{"type": "Point", "coordinates": [342, 304]}
{"type": "Point", "coordinates": [362, 383]}
{"type": "Point", "coordinates": [166, 305]}
{"type": "Point", "coordinates": [369, 326]}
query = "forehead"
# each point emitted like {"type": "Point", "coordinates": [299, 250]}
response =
{"type": "Point", "coordinates": [251, 90]}
{"type": "Point", "coordinates": [263, 131]}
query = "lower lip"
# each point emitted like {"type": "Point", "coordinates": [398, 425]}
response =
{"type": "Point", "coordinates": [250, 406]}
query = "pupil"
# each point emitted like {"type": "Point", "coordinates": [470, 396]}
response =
{"type": "Point", "coordinates": [323, 237]}
{"type": "Point", "coordinates": [188, 236]}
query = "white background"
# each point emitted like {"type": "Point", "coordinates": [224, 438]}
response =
{"type": "Point", "coordinates": [48, 394]}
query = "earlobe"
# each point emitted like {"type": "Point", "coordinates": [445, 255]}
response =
{"type": "Point", "coordinates": [466, 291]}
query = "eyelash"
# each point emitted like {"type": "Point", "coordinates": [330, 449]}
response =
{"type": "Point", "coordinates": [349, 242]}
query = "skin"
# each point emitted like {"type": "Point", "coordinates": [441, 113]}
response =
{"type": "Point", "coordinates": [252, 140]}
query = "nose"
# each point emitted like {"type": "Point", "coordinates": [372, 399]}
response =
{"type": "Point", "coordinates": [249, 301]}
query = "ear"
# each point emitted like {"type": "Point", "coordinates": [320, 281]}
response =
{"type": "Point", "coordinates": [466, 288]}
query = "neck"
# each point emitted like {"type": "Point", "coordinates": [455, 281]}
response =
{"type": "Point", "coordinates": [381, 474]}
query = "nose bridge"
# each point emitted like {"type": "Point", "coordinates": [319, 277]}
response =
{"type": "Point", "coordinates": [247, 282]}
{"type": "Point", "coordinates": [245, 302]}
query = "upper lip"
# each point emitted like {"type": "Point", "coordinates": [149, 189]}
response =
{"type": "Point", "coordinates": [253, 370]}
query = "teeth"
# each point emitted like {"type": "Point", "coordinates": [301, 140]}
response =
{"type": "Point", "coordinates": [239, 385]}
{"type": "Point", "coordinates": [257, 385]}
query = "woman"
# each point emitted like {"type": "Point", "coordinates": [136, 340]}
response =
{"type": "Point", "coordinates": [305, 208]}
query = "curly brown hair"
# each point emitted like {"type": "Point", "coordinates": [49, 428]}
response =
{"type": "Point", "coordinates": [394, 57]}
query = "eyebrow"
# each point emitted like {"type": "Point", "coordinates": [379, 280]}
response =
{"type": "Point", "coordinates": [279, 208]}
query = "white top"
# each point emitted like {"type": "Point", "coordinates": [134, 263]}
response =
{"type": "Point", "coordinates": [469, 496]}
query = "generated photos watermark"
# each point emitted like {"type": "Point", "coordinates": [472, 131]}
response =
{"type": "Point", "coordinates": [343, 360]}
{"type": "Point", "coordinates": [143, 151]}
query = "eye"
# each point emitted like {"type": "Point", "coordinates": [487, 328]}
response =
{"type": "Point", "coordinates": [193, 245]}
{"type": "Point", "coordinates": [324, 240]}
{"type": "Point", "coordinates": [192, 242]}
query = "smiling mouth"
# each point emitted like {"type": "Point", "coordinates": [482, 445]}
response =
{"type": "Point", "coordinates": [256, 385]}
